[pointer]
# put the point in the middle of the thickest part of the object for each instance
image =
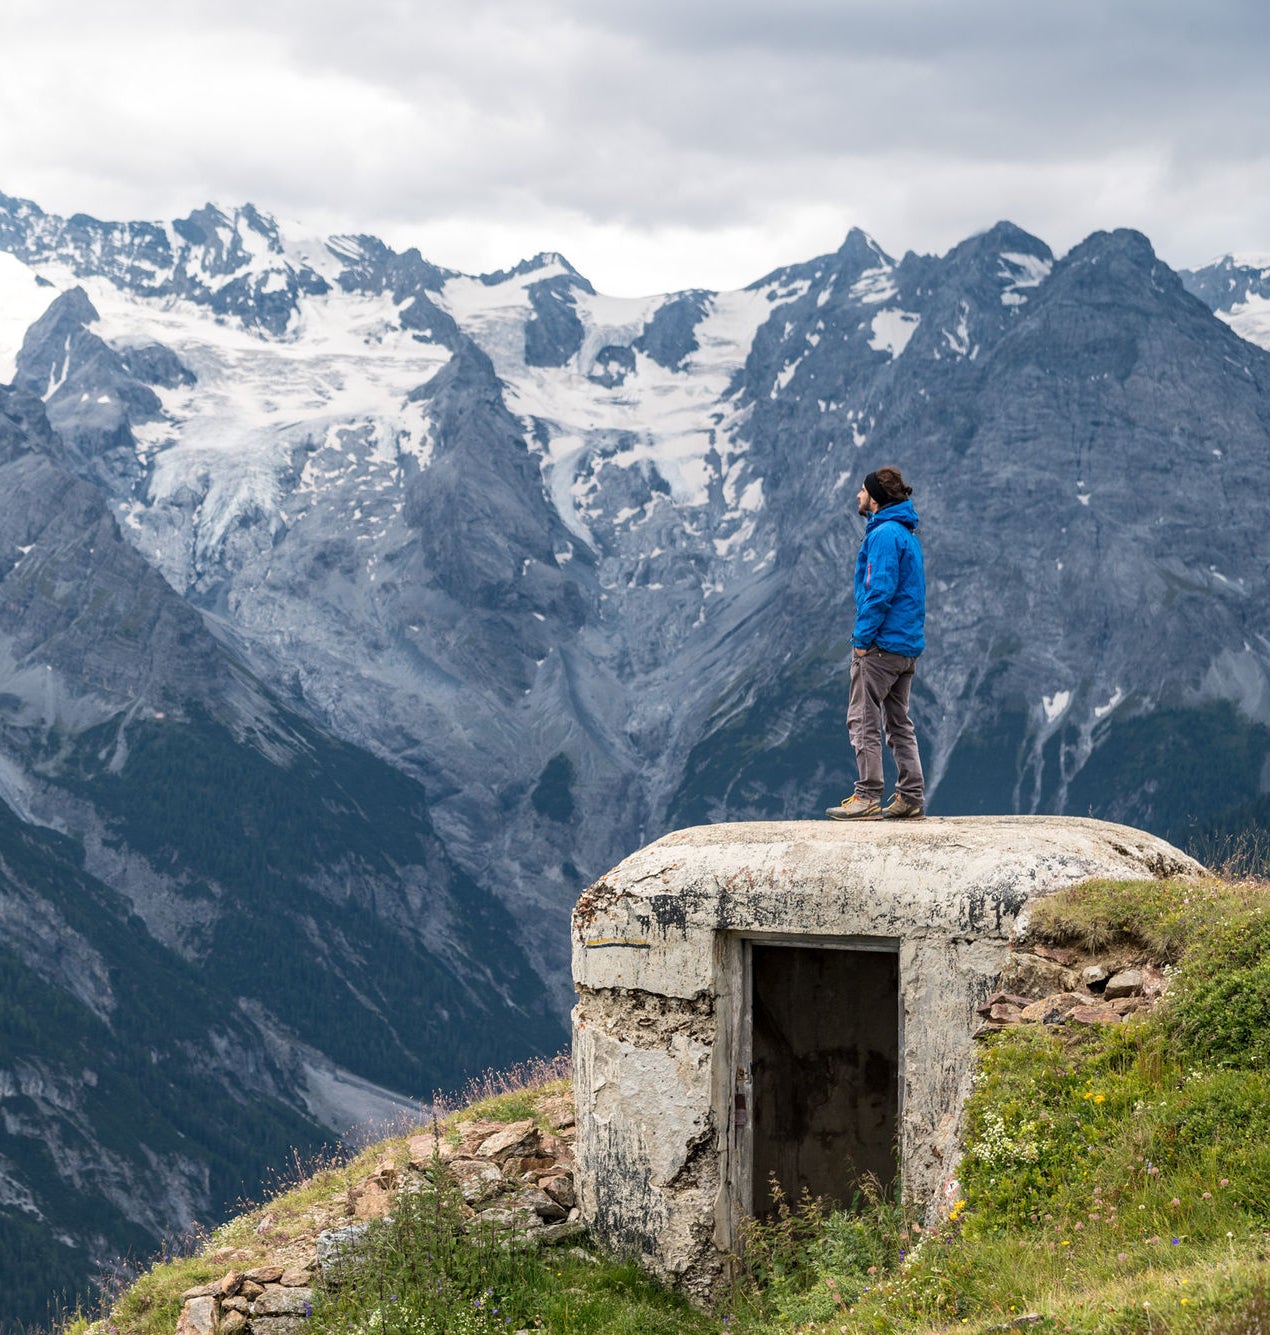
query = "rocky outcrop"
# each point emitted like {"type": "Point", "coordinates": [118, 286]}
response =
{"type": "Point", "coordinates": [514, 1178]}
{"type": "Point", "coordinates": [1051, 985]}
{"type": "Point", "coordinates": [266, 1300]}
{"type": "Point", "coordinates": [165, 821]}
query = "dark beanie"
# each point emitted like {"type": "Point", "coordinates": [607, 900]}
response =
{"type": "Point", "coordinates": [877, 490]}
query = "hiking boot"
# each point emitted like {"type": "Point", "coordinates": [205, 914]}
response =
{"type": "Point", "coordinates": [900, 808]}
{"type": "Point", "coordinates": [854, 808]}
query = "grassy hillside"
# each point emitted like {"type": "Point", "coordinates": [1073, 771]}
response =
{"type": "Point", "coordinates": [1115, 1179]}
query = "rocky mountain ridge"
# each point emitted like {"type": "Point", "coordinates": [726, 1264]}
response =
{"type": "Point", "coordinates": [431, 595]}
{"type": "Point", "coordinates": [224, 932]}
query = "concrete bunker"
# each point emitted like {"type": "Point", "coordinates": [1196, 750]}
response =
{"type": "Point", "coordinates": [797, 1000]}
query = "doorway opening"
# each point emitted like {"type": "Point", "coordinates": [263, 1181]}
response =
{"type": "Point", "coordinates": [825, 1062]}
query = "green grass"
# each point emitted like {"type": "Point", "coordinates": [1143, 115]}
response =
{"type": "Point", "coordinates": [420, 1274]}
{"type": "Point", "coordinates": [514, 1095]}
{"type": "Point", "coordinates": [152, 1306]}
{"type": "Point", "coordinates": [1163, 918]}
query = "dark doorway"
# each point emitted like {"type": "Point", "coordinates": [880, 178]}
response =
{"type": "Point", "coordinates": [825, 1054]}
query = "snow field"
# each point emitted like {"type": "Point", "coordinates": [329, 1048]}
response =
{"type": "Point", "coordinates": [680, 422]}
{"type": "Point", "coordinates": [231, 436]}
{"type": "Point", "coordinates": [23, 299]}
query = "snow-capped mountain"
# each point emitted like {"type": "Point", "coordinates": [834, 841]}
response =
{"type": "Point", "coordinates": [576, 569]}
{"type": "Point", "coordinates": [1237, 288]}
{"type": "Point", "coordinates": [504, 530]}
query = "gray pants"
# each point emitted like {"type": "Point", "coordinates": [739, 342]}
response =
{"type": "Point", "coordinates": [880, 683]}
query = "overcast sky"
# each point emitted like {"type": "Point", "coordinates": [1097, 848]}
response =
{"type": "Point", "coordinates": [658, 144]}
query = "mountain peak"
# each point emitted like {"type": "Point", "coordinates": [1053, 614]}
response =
{"type": "Point", "coordinates": [860, 250]}
{"type": "Point", "coordinates": [1229, 283]}
{"type": "Point", "coordinates": [20, 207]}
{"type": "Point", "coordinates": [1233, 260]}
{"type": "Point", "coordinates": [1122, 242]}
{"type": "Point", "coordinates": [550, 259]}
{"type": "Point", "coordinates": [1007, 233]}
{"type": "Point", "coordinates": [72, 306]}
{"type": "Point", "coordinates": [549, 263]}
{"type": "Point", "coordinates": [223, 230]}
{"type": "Point", "coordinates": [1002, 238]}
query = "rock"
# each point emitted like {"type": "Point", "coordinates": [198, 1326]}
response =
{"type": "Point", "coordinates": [1059, 954]}
{"type": "Point", "coordinates": [477, 1179]}
{"type": "Point", "coordinates": [1052, 1009]}
{"type": "Point", "coordinates": [1126, 983]}
{"type": "Point", "coordinates": [1130, 1005]}
{"type": "Point", "coordinates": [537, 1200]}
{"type": "Point", "coordinates": [559, 1112]}
{"type": "Point", "coordinates": [519, 1168]}
{"type": "Point", "coordinates": [198, 1317]}
{"type": "Point", "coordinates": [337, 1251]}
{"type": "Point", "coordinates": [1002, 1013]}
{"type": "Point", "coordinates": [499, 1217]}
{"type": "Point", "coordinates": [1003, 999]}
{"type": "Point", "coordinates": [471, 1133]}
{"type": "Point", "coordinates": [250, 1289]}
{"type": "Point", "coordinates": [1032, 975]}
{"type": "Point", "coordinates": [280, 1325]}
{"type": "Point", "coordinates": [233, 1322]}
{"type": "Point", "coordinates": [428, 1149]}
{"type": "Point", "coordinates": [265, 1274]}
{"type": "Point", "coordinates": [1094, 975]}
{"type": "Point", "coordinates": [559, 1186]}
{"type": "Point", "coordinates": [199, 1291]}
{"type": "Point", "coordinates": [370, 1200]}
{"type": "Point", "coordinates": [239, 1304]}
{"type": "Point", "coordinates": [1154, 981]}
{"type": "Point", "coordinates": [277, 1301]}
{"type": "Point", "coordinates": [228, 1284]}
{"type": "Point", "coordinates": [516, 1138]}
{"type": "Point", "coordinates": [298, 1277]}
{"type": "Point", "coordinates": [1020, 1322]}
{"type": "Point", "coordinates": [1100, 1013]}
{"type": "Point", "coordinates": [554, 1234]}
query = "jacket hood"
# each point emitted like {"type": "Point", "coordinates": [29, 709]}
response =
{"type": "Point", "coordinates": [901, 512]}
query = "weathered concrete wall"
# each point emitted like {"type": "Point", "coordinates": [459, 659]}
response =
{"type": "Point", "coordinates": [659, 958]}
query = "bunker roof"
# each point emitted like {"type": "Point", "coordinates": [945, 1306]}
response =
{"type": "Point", "coordinates": [641, 925]}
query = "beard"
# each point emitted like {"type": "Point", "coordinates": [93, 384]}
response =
{"type": "Point", "coordinates": [864, 511]}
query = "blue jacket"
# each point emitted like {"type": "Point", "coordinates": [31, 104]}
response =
{"type": "Point", "coordinates": [890, 584]}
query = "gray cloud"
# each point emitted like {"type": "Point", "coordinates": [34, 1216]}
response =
{"type": "Point", "coordinates": [644, 140]}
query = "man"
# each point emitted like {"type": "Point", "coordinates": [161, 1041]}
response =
{"type": "Point", "coordinates": [890, 617]}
